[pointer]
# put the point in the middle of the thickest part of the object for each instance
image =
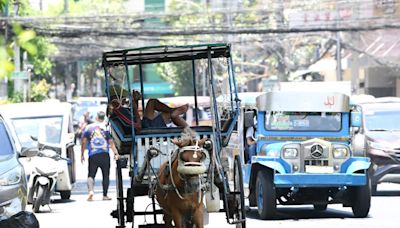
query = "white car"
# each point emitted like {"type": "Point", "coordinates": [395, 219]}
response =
{"type": "Point", "coordinates": [51, 124]}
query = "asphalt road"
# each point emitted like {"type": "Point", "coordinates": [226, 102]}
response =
{"type": "Point", "coordinates": [79, 213]}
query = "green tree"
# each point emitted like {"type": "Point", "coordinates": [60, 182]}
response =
{"type": "Point", "coordinates": [179, 75]}
{"type": "Point", "coordinates": [39, 91]}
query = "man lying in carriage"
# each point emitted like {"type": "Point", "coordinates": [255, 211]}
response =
{"type": "Point", "coordinates": [176, 166]}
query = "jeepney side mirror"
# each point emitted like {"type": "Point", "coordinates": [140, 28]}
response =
{"type": "Point", "coordinates": [248, 119]}
{"type": "Point", "coordinates": [356, 119]}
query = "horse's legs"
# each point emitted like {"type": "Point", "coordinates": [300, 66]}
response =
{"type": "Point", "coordinates": [198, 218]}
{"type": "Point", "coordinates": [168, 220]}
{"type": "Point", "coordinates": [178, 219]}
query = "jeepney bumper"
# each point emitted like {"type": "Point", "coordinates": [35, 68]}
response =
{"type": "Point", "coordinates": [319, 180]}
{"type": "Point", "coordinates": [353, 172]}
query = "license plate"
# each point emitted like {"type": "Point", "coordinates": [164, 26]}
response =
{"type": "Point", "coordinates": [318, 169]}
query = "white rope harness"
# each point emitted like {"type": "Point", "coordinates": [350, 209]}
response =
{"type": "Point", "coordinates": [198, 169]}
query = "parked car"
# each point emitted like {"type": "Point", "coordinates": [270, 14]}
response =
{"type": "Point", "coordinates": [379, 138]}
{"type": "Point", "coordinates": [51, 124]}
{"type": "Point", "coordinates": [13, 185]}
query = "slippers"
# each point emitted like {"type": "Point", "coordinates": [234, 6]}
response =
{"type": "Point", "coordinates": [90, 197]}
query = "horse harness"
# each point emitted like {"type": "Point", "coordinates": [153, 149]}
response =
{"type": "Point", "coordinates": [190, 185]}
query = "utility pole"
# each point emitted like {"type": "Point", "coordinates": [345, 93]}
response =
{"type": "Point", "coordinates": [18, 82]}
{"type": "Point", "coordinates": [66, 7]}
{"type": "Point", "coordinates": [280, 50]}
{"type": "Point", "coordinates": [355, 61]}
{"type": "Point", "coordinates": [338, 58]}
{"type": "Point", "coordinates": [338, 49]}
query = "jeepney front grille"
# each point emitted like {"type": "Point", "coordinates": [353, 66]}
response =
{"type": "Point", "coordinates": [315, 157]}
{"type": "Point", "coordinates": [316, 162]}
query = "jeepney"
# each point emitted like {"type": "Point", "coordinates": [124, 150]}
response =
{"type": "Point", "coordinates": [304, 154]}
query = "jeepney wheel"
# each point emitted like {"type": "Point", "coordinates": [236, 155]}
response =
{"type": "Point", "coordinates": [374, 190]}
{"type": "Point", "coordinates": [266, 195]}
{"type": "Point", "coordinates": [361, 199]}
{"type": "Point", "coordinates": [239, 192]}
{"type": "Point", "coordinates": [320, 207]}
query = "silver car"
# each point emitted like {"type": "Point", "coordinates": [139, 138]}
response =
{"type": "Point", "coordinates": [13, 187]}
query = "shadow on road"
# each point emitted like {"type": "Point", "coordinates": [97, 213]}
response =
{"type": "Point", "coordinates": [387, 193]}
{"type": "Point", "coordinates": [298, 213]}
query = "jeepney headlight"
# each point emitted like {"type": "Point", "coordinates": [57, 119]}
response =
{"type": "Point", "coordinates": [271, 152]}
{"type": "Point", "coordinates": [340, 152]}
{"type": "Point", "coordinates": [290, 153]}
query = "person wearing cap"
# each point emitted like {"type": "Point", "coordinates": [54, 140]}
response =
{"type": "Point", "coordinates": [97, 139]}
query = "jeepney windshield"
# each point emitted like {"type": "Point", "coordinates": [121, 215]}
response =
{"type": "Point", "coordinates": [303, 121]}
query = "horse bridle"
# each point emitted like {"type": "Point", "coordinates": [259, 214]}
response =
{"type": "Point", "coordinates": [198, 169]}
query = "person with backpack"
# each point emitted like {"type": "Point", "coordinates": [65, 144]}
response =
{"type": "Point", "coordinates": [97, 140]}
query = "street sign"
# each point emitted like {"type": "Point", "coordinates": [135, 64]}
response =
{"type": "Point", "coordinates": [20, 75]}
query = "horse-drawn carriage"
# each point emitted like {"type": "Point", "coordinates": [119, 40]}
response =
{"type": "Point", "coordinates": [174, 165]}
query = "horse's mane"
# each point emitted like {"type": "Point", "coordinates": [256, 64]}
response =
{"type": "Point", "coordinates": [188, 137]}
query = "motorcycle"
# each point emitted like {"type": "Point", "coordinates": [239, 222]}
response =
{"type": "Point", "coordinates": [45, 167]}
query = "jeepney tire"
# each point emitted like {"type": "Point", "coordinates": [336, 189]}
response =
{"type": "Point", "coordinates": [361, 200]}
{"type": "Point", "coordinates": [374, 190]}
{"type": "Point", "coordinates": [65, 195]}
{"type": "Point", "coordinates": [320, 207]}
{"type": "Point", "coordinates": [265, 194]}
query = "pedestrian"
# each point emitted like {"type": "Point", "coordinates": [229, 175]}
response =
{"type": "Point", "coordinates": [84, 121]}
{"type": "Point", "coordinates": [97, 139]}
{"type": "Point", "coordinates": [251, 143]}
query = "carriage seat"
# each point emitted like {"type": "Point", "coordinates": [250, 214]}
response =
{"type": "Point", "coordinates": [124, 130]}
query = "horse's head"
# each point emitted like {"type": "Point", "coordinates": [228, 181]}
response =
{"type": "Point", "coordinates": [192, 153]}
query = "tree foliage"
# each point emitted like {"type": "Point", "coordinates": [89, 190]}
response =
{"type": "Point", "coordinates": [39, 91]}
{"type": "Point", "coordinates": [179, 74]}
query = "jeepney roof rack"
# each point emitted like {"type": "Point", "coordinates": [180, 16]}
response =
{"type": "Point", "coordinates": [165, 53]}
{"type": "Point", "coordinates": [304, 101]}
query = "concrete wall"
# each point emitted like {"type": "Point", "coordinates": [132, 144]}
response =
{"type": "Point", "coordinates": [380, 81]}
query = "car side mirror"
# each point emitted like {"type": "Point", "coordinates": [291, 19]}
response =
{"type": "Point", "coordinates": [29, 152]}
{"type": "Point", "coordinates": [355, 119]}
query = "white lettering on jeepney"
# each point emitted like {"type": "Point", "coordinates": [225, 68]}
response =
{"type": "Point", "coordinates": [330, 101]}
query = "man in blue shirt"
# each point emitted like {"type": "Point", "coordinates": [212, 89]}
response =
{"type": "Point", "coordinates": [96, 138]}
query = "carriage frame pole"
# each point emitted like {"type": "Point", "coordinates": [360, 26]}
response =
{"type": "Point", "coordinates": [217, 133]}
{"type": "Point", "coordinates": [141, 85]}
{"type": "Point", "coordinates": [195, 91]}
{"type": "Point", "coordinates": [132, 119]}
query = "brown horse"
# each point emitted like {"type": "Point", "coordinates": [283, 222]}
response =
{"type": "Point", "coordinates": [180, 193]}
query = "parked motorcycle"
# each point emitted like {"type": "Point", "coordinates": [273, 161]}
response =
{"type": "Point", "coordinates": [46, 165]}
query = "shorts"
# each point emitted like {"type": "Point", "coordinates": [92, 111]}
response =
{"type": "Point", "coordinates": [157, 122]}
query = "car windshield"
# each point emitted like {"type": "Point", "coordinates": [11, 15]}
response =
{"type": "Point", "coordinates": [47, 129]}
{"type": "Point", "coordinates": [6, 146]}
{"type": "Point", "coordinates": [382, 121]}
{"type": "Point", "coordinates": [303, 121]}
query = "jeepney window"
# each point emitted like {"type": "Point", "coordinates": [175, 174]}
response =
{"type": "Point", "coordinates": [303, 121]}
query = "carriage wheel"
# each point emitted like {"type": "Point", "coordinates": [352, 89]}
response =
{"type": "Point", "coordinates": [240, 212]}
{"type": "Point", "coordinates": [120, 196]}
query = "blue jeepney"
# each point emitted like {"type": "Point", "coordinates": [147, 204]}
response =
{"type": "Point", "coordinates": [303, 154]}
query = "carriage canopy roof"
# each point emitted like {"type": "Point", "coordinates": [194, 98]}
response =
{"type": "Point", "coordinates": [166, 53]}
{"type": "Point", "coordinates": [303, 102]}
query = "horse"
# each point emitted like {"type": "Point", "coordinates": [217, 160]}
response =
{"type": "Point", "coordinates": [182, 199]}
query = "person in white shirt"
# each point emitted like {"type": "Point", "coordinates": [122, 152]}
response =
{"type": "Point", "coordinates": [251, 141]}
